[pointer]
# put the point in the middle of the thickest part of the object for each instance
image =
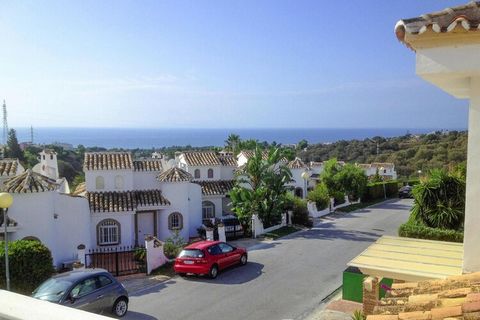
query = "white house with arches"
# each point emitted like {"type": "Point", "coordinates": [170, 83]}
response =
{"type": "Point", "coordinates": [215, 173]}
{"type": "Point", "coordinates": [130, 199]}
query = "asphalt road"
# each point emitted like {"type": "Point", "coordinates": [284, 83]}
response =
{"type": "Point", "coordinates": [286, 279]}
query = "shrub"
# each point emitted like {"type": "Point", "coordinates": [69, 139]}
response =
{"type": "Point", "coordinates": [300, 213]}
{"type": "Point", "coordinates": [420, 231]}
{"type": "Point", "coordinates": [375, 190]}
{"type": "Point", "coordinates": [173, 245]}
{"type": "Point", "coordinates": [319, 195]}
{"type": "Point", "coordinates": [440, 200]}
{"type": "Point", "coordinates": [30, 264]}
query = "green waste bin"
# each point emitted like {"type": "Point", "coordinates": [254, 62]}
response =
{"type": "Point", "coordinates": [352, 288]}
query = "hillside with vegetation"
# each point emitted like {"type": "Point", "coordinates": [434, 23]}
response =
{"type": "Point", "coordinates": [409, 153]}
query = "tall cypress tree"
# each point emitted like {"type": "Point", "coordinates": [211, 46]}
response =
{"type": "Point", "coordinates": [13, 148]}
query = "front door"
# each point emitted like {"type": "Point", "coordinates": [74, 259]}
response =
{"type": "Point", "coordinates": [145, 226]}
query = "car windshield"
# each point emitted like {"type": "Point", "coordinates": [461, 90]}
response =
{"type": "Point", "coordinates": [191, 253]}
{"type": "Point", "coordinates": [52, 290]}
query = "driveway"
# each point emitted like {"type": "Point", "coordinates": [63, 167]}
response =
{"type": "Point", "coordinates": [285, 279]}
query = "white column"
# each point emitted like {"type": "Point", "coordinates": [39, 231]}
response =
{"type": "Point", "coordinates": [209, 234]}
{"type": "Point", "coordinates": [471, 254]}
{"type": "Point", "coordinates": [221, 233]}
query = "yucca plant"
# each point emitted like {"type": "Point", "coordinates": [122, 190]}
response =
{"type": "Point", "coordinates": [358, 315]}
{"type": "Point", "coordinates": [439, 200]}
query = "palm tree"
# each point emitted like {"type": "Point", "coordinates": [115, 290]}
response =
{"type": "Point", "coordinates": [233, 142]}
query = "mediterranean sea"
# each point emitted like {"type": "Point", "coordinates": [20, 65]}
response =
{"type": "Point", "coordinates": [144, 138]}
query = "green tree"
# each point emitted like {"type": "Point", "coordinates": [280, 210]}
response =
{"type": "Point", "coordinates": [330, 179]}
{"type": "Point", "coordinates": [439, 200]}
{"type": "Point", "coordinates": [233, 143]}
{"type": "Point", "coordinates": [302, 144]}
{"type": "Point", "coordinates": [352, 180]}
{"type": "Point", "coordinates": [261, 188]}
{"type": "Point", "coordinates": [320, 196]}
{"type": "Point", "coordinates": [13, 148]}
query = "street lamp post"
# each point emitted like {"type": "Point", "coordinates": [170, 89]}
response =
{"type": "Point", "coordinates": [6, 201]}
{"type": "Point", "coordinates": [383, 179]}
{"type": "Point", "coordinates": [305, 176]}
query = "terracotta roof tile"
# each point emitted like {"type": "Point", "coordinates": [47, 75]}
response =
{"type": "Point", "coordinates": [454, 297]}
{"type": "Point", "coordinates": [228, 160]}
{"type": "Point", "coordinates": [8, 167]}
{"type": "Point", "coordinates": [80, 189]}
{"type": "Point", "coordinates": [147, 165]}
{"type": "Point", "coordinates": [108, 161]}
{"type": "Point", "coordinates": [28, 182]}
{"type": "Point", "coordinates": [125, 201]}
{"type": "Point", "coordinates": [174, 174]}
{"type": "Point", "coordinates": [219, 187]}
{"type": "Point", "coordinates": [466, 17]}
{"type": "Point", "coordinates": [202, 158]}
{"type": "Point", "coordinates": [296, 164]}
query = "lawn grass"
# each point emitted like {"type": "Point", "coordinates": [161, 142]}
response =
{"type": "Point", "coordinates": [283, 231]}
{"type": "Point", "coordinates": [361, 205]}
{"type": "Point", "coordinates": [165, 270]}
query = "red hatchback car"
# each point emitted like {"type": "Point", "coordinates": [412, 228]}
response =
{"type": "Point", "coordinates": [208, 257]}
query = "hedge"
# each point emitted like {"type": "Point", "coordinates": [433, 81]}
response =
{"type": "Point", "coordinates": [30, 264]}
{"type": "Point", "coordinates": [375, 190]}
{"type": "Point", "coordinates": [300, 213]}
{"type": "Point", "coordinates": [415, 230]}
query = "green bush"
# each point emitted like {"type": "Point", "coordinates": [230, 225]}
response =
{"type": "Point", "coordinates": [375, 190]}
{"type": "Point", "coordinates": [173, 245]}
{"type": "Point", "coordinates": [300, 213]}
{"type": "Point", "coordinates": [30, 264]}
{"type": "Point", "coordinates": [412, 229]}
{"type": "Point", "coordinates": [319, 195]}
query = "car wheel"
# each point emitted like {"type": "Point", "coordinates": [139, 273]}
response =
{"type": "Point", "coordinates": [120, 307]}
{"type": "Point", "coordinates": [182, 274]}
{"type": "Point", "coordinates": [213, 271]}
{"type": "Point", "coordinates": [243, 260]}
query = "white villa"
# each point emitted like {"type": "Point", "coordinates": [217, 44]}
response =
{"type": "Point", "coordinates": [386, 170]}
{"type": "Point", "coordinates": [215, 173]}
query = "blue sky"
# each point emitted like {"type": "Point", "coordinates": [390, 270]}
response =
{"type": "Point", "coordinates": [216, 64]}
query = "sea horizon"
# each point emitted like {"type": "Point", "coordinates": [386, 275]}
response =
{"type": "Point", "coordinates": [147, 138]}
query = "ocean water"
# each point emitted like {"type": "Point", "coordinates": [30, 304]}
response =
{"type": "Point", "coordinates": [156, 138]}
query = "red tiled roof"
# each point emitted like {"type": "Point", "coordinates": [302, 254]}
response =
{"type": "Point", "coordinates": [108, 161]}
{"type": "Point", "coordinates": [296, 164]}
{"type": "Point", "coordinates": [8, 167]}
{"type": "Point", "coordinates": [147, 165]}
{"type": "Point", "coordinates": [174, 174]}
{"type": "Point", "coordinates": [456, 297]}
{"type": "Point", "coordinates": [218, 187]}
{"type": "Point", "coordinates": [125, 201]}
{"type": "Point", "coordinates": [466, 17]}
{"type": "Point", "coordinates": [28, 182]}
{"type": "Point", "coordinates": [202, 158]}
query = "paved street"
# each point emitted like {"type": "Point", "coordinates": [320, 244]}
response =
{"type": "Point", "coordinates": [286, 279]}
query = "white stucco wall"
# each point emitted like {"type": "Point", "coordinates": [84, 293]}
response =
{"type": "Point", "coordinates": [227, 173]}
{"type": "Point", "coordinates": [471, 258]}
{"type": "Point", "coordinates": [186, 198]}
{"type": "Point", "coordinates": [35, 214]}
{"type": "Point", "coordinates": [127, 227]}
{"type": "Point", "coordinates": [217, 201]}
{"type": "Point", "coordinates": [109, 178]}
{"type": "Point", "coordinates": [145, 180]}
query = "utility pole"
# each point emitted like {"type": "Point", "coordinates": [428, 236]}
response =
{"type": "Point", "coordinates": [5, 123]}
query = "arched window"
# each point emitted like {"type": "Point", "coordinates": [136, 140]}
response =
{"type": "Point", "coordinates": [196, 174]}
{"type": "Point", "coordinates": [118, 182]}
{"type": "Point", "coordinates": [210, 173]}
{"type": "Point", "coordinates": [175, 221]}
{"type": "Point", "coordinates": [99, 183]}
{"type": "Point", "coordinates": [108, 232]}
{"type": "Point", "coordinates": [208, 210]}
{"type": "Point", "coordinates": [31, 238]}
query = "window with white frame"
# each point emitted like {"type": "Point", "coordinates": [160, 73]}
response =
{"type": "Point", "coordinates": [210, 173]}
{"type": "Point", "coordinates": [118, 182]}
{"type": "Point", "coordinates": [108, 232]}
{"type": "Point", "coordinates": [175, 221]}
{"type": "Point", "coordinates": [99, 183]}
{"type": "Point", "coordinates": [208, 210]}
{"type": "Point", "coordinates": [196, 174]}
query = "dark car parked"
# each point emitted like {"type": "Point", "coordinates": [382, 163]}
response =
{"type": "Point", "coordinates": [405, 192]}
{"type": "Point", "coordinates": [93, 290]}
